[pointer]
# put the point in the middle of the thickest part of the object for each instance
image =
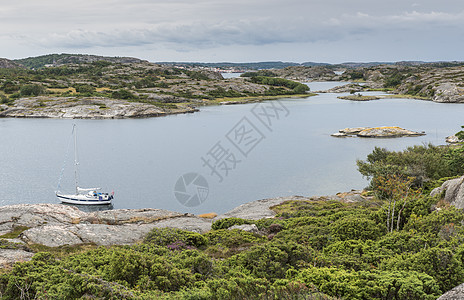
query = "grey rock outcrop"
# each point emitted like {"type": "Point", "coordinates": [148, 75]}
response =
{"type": "Point", "coordinates": [457, 293]}
{"type": "Point", "coordinates": [84, 108]}
{"type": "Point", "coordinates": [56, 225]}
{"type": "Point", "coordinates": [376, 132]}
{"type": "Point", "coordinates": [347, 88]}
{"type": "Point", "coordinates": [454, 191]}
{"type": "Point", "coordinates": [51, 236]}
{"type": "Point", "coordinates": [257, 209]}
{"type": "Point", "coordinates": [449, 92]}
{"type": "Point", "coordinates": [452, 139]}
{"type": "Point", "coordinates": [35, 215]}
{"type": "Point", "coordinates": [305, 74]}
{"type": "Point", "coordinates": [195, 224]}
{"type": "Point", "coordinates": [10, 256]}
{"type": "Point", "coordinates": [9, 64]}
{"type": "Point", "coordinates": [349, 131]}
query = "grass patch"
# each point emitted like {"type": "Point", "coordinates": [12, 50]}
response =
{"type": "Point", "coordinates": [103, 89]}
{"type": "Point", "coordinates": [359, 97]}
{"type": "Point", "coordinates": [15, 233]}
{"type": "Point", "coordinates": [4, 244]}
{"type": "Point", "coordinates": [406, 96]}
{"type": "Point", "coordinates": [62, 90]}
{"type": "Point", "coordinates": [380, 90]}
{"type": "Point", "coordinates": [257, 98]}
{"type": "Point", "coordinates": [63, 251]}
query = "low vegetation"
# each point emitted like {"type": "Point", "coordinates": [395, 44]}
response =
{"type": "Point", "coordinates": [400, 244]}
{"type": "Point", "coordinates": [426, 164]}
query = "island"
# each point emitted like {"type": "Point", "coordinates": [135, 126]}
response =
{"type": "Point", "coordinates": [98, 87]}
{"type": "Point", "coordinates": [376, 132]}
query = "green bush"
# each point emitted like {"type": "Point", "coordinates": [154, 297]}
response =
{"type": "Point", "coordinates": [435, 221]}
{"type": "Point", "coordinates": [123, 94]}
{"type": "Point", "coordinates": [460, 134]}
{"type": "Point", "coordinates": [169, 236]}
{"type": "Point", "coordinates": [424, 163]}
{"type": "Point", "coordinates": [32, 90]}
{"type": "Point", "coordinates": [394, 80]}
{"type": "Point", "coordinates": [296, 87]}
{"type": "Point", "coordinates": [228, 222]}
{"type": "Point", "coordinates": [4, 99]}
{"type": "Point", "coordinates": [232, 238]}
{"type": "Point", "coordinates": [272, 260]}
{"type": "Point", "coordinates": [9, 87]}
{"type": "Point", "coordinates": [221, 92]}
{"type": "Point", "coordinates": [351, 228]}
{"type": "Point", "coordinates": [371, 285]}
{"type": "Point", "coordinates": [441, 264]}
{"type": "Point", "coordinates": [84, 88]}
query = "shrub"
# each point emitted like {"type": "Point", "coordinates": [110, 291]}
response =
{"type": "Point", "coordinates": [372, 285]}
{"type": "Point", "coordinates": [296, 87]}
{"type": "Point", "coordinates": [9, 87]}
{"type": "Point", "coordinates": [169, 236]}
{"type": "Point", "coordinates": [272, 260]}
{"type": "Point", "coordinates": [441, 264]}
{"type": "Point", "coordinates": [424, 163]}
{"type": "Point", "coordinates": [4, 99]}
{"type": "Point", "coordinates": [84, 88]}
{"type": "Point", "coordinates": [353, 228]}
{"type": "Point", "coordinates": [32, 90]}
{"type": "Point", "coordinates": [393, 80]}
{"type": "Point", "coordinates": [232, 238]}
{"type": "Point", "coordinates": [228, 222]}
{"type": "Point", "coordinates": [123, 94]}
{"type": "Point", "coordinates": [435, 221]}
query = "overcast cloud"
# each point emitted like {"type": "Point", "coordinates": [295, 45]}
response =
{"type": "Point", "coordinates": [239, 30]}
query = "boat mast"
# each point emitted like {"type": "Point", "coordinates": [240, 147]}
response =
{"type": "Point", "coordinates": [76, 162]}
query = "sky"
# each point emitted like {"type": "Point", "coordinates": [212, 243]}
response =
{"type": "Point", "coordinates": [332, 31]}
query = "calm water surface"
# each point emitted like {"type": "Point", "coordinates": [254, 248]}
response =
{"type": "Point", "coordinates": [142, 159]}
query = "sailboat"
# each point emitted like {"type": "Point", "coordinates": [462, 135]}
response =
{"type": "Point", "coordinates": [85, 196]}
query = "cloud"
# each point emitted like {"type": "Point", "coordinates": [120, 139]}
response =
{"type": "Point", "coordinates": [202, 25]}
{"type": "Point", "coordinates": [433, 16]}
{"type": "Point", "coordinates": [197, 34]}
{"type": "Point", "coordinates": [195, 27]}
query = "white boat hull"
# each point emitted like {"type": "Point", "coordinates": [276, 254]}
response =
{"type": "Point", "coordinates": [85, 199]}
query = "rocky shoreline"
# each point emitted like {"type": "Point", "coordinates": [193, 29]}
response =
{"type": "Point", "coordinates": [57, 225]}
{"type": "Point", "coordinates": [85, 108]}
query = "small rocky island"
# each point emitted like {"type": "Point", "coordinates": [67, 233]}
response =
{"type": "Point", "coordinates": [376, 132]}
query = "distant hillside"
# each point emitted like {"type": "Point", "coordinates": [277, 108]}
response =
{"type": "Point", "coordinates": [64, 59]}
{"type": "Point", "coordinates": [315, 64]}
{"type": "Point", "coordinates": [281, 65]}
{"type": "Point", "coordinates": [244, 66]}
{"type": "Point", "coordinates": [8, 64]}
{"type": "Point", "coordinates": [437, 64]}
